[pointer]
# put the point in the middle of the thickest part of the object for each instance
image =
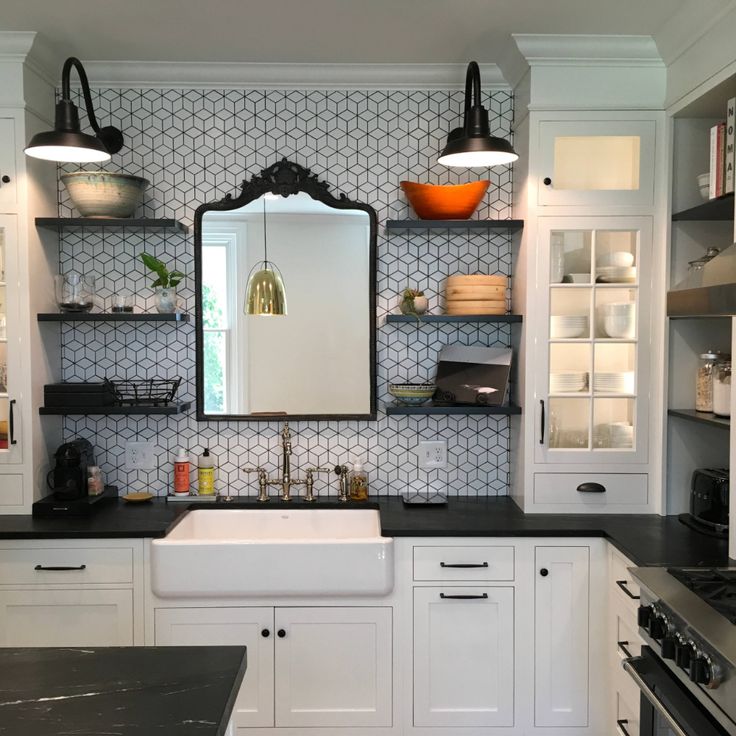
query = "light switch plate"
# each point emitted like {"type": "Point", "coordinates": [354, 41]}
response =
{"type": "Point", "coordinates": [432, 454]}
{"type": "Point", "coordinates": [140, 455]}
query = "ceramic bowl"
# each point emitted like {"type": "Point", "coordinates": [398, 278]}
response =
{"type": "Point", "coordinates": [445, 201]}
{"type": "Point", "coordinates": [104, 194]}
{"type": "Point", "coordinates": [619, 325]}
{"type": "Point", "coordinates": [564, 327]}
{"type": "Point", "coordinates": [412, 394]}
{"type": "Point", "coordinates": [704, 185]}
{"type": "Point", "coordinates": [619, 258]}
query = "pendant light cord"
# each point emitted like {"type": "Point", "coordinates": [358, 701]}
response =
{"type": "Point", "coordinates": [265, 239]}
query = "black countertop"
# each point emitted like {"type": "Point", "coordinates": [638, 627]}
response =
{"type": "Point", "coordinates": [146, 691]}
{"type": "Point", "coordinates": [645, 539]}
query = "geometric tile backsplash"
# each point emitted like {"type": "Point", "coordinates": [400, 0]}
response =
{"type": "Point", "coordinates": [196, 146]}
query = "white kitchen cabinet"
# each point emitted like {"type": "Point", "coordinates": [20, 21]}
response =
{"type": "Point", "coordinates": [561, 641]}
{"type": "Point", "coordinates": [308, 667]}
{"type": "Point", "coordinates": [596, 161]}
{"type": "Point", "coordinates": [8, 169]}
{"type": "Point", "coordinates": [464, 656]}
{"type": "Point", "coordinates": [66, 618]}
{"type": "Point", "coordinates": [251, 627]}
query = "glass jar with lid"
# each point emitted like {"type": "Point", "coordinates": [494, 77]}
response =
{"type": "Point", "coordinates": [722, 389]}
{"type": "Point", "coordinates": [704, 381]}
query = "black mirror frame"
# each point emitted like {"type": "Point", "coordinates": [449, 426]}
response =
{"type": "Point", "coordinates": [284, 178]}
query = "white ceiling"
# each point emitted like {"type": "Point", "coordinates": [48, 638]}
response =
{"type": "Point", "coordinates": [319, 31]}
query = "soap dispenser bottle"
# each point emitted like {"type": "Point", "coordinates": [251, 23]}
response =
{"type": "Point", "coordinates": [206, 473]}
{"type": "Point", "coordinates": [358, 481]}
{"type": "Point", "coordinates": [181, 473]}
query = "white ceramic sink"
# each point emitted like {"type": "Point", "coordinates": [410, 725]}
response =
{"type": "Point", "coordinates": [273, 552]}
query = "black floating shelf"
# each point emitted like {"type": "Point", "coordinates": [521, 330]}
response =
{"type": "Point", "coordinates": [111, 317]}
{"type": "Point", "coordinates": [713, 209]}
{"type": "Point", "coordinates": [453, 318]}
{"type": "Point", "coordinates": [454, 224]}
{"type": "Point", "coordinates": [440, 409]}
{"type": "Point", "coordinates": [178, 407]}
{"type": "Point", "coordinates": [100, 223]}
{"type": "Point", "coordinates": [701, 417]}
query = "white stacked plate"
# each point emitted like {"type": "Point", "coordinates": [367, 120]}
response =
{"type": "Point", "coordinates": [614, 383]}
{"type": "Point", "coordinates": [567, 326]}
{"type": "Point", "coordinates": [568, 382]}
{"type": "Point", "coordinates": [615, 274]}
{"type": "Point", "coordinates": [616, 435]}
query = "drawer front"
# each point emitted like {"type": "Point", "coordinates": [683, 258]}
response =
{"type": "Point", "coordinates": [11, 489]}
{"type": "Point", "coordinates": [64, 565]}
{"type": "Point", "coordinates": [627, 715]}
{"type": "Point", "coordinates": [562, 488]}
{"type": "Point", "coordinates": [625, 632]}
{"type": "Point", "coordinates": [464, 563]}
{"type": "Point", "coordinates": [623, 584]}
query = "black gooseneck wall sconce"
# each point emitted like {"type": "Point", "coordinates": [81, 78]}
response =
{"type": "Point", "coordinates": [473, 145]}
{"type": "Point", "coordinates": [67, 143]}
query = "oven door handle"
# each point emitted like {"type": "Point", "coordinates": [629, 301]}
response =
{"type": "Point", "coordinates": [653, 699]}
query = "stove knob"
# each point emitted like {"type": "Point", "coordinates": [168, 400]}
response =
{"type": "Point", "coordinates": [657, 627]}
{"type": "Point", "coordinates": [683, 654]}
{"type": "Point", "coordinates": [699, 670]}
{"type": "Point", "coordinates": [643, 615]}
{"type": "Point", "coordinates": [669, 645]}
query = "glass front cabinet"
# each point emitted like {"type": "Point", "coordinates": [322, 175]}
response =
{"type": "Point", "coordinates": [591, 386]}
{"type": "Point", "coordinates": [10, 446]}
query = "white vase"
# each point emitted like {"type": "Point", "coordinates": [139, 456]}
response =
{"type": "Point", "coordinates": [166, 301]}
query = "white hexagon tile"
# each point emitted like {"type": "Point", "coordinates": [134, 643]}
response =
{"type": "Point", "coordinates": [196, 146]}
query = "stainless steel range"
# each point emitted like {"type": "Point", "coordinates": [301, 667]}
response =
{"type": "Point", "coordinates": [687, 673]}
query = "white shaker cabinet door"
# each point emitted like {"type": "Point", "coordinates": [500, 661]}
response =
{"type": "Point", "coordinates": [464, 656]}
{"type": "Point", "coordinates": [333, 667]}
{"type": "Point", "coordinates": [561, 622]}
{"type": "Point", "coordinates": [250, 627]}
{"type": "Point", "coordinates": [8, 172]}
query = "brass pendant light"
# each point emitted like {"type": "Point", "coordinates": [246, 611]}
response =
{"type": "Point", "coordinates": [265, 295]}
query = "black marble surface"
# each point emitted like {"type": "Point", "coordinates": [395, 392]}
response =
{"type": "Point", "coordinates": [645, 539]}
{"type": "Point", "coordinates": [119, 691]}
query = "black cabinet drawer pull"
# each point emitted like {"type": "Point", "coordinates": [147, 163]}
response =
{"type": "Point", "coordinates": [623, 584]}
{"type": "Point", "coordinates": [58, 568]}
{"type": "Point", "coordinates": [463, 597]}
{"type": "Point", "coordinates": [621, 726]}
{"type": "Point", "coordinates": [463, 565]}
{"type": "Point", "coordinates": [623, 646]}
{"type": "Point", "coordinates": [541, 423]}
{"type": "Point", "coordinates": [11, 422]}
{"type": "Point", "coordinates": [591, 488]}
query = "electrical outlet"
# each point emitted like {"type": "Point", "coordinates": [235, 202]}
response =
{"type": "Point", "coordinates": [140, 455]}
{"type": "Point", "coordinates": [432, 454]}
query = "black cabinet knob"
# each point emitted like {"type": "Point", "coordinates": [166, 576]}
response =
{"type": "Point", "coordinates": [669, 644]}
{"type": "Point", "coordinates": [281, 633]}
{"type": "Point", "coordinates": [265, 633]}
{"type": "Point", "coordinates": [544, 572]}
{"type": "Point", "coordinates": [643, 614]}
{"type": "Point", "coordinates": [5, 179]}
{"type": "Point", "coordinates": [546, 181]}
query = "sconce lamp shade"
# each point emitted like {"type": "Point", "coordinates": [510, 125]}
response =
{"type": "Point", "coordinates": [265, 295]}
{"type": "Point", "coordinates": [66, 142]}
{"type": "Point", "coordinates": [473, 145]}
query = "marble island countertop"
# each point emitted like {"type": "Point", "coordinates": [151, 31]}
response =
{"type": "Point", "coordinates": [119, 691]}
{"type": "Point", "coordinates": [646, 539]}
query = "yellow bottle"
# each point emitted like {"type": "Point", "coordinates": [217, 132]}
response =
{"type": "Point", "coordinates": [206, 473]}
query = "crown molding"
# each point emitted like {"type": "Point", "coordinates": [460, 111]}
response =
{"type": "Point", "coordinates": [33, 50]}
{"type": "Point", "coordinates": [256, 75]}
{"type": "Point", "coordinates": [587, 50]}
{"type": "Point", "coordinates": [15, 45]}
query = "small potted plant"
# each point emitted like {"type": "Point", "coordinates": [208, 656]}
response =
{"type": "Point", "coordinates": [165, 283]}
{"type": "Point", "coordinates": [413, 302]}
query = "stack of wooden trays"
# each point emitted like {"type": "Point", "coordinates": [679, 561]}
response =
{"type": "Point", "coordinates": [475, 294]}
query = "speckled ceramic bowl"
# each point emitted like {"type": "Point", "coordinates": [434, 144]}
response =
{"type": "Point", "coordinates": [412, 394]}
{"type": "Point", "coordinates": [103, 193]}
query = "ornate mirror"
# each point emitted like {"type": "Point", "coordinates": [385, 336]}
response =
{"type": "Point", "coordinates": [316, 361]}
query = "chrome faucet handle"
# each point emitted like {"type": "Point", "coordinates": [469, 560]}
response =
{"type": "Point", "coordinates": [341, 471]}
{"type": "Point", "coordinates": [262, 483]}
{"type": "Point", "coordinates": [309, 496]}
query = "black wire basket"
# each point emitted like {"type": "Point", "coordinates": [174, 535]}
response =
{"type": "Point", "coordinates": [145, 391]}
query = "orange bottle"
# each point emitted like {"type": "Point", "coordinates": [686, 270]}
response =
{"type": "Point", "coordinates": [181, 473]}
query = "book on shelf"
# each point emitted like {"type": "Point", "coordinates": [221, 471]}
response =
{"type": "Point", "coordinates": [730, 158]}
{"type": "Point", "coordinates": [717, 160]}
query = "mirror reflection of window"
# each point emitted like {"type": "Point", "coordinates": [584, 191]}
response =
{"type": "Point", "coordinates": [314, 360]}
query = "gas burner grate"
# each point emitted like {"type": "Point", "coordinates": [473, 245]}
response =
{"type": "Point", "coordinates": [717, 587]}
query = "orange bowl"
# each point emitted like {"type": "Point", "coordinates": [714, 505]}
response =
{"type": "Point", "coordinates": [445, 201]}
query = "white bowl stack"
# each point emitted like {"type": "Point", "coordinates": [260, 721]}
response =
{"type": "Point", "coordinates": [614, 435]}
{"type": "Point", "coordinates": [568, 382]}
{"type": "Point", "coordinates": [616, 267]}
{"type": "Point", "coordinates": [567, 326]}
{"type": "Point", "coordinates": [618, 319]}
{"type": "Point", "coordinates": [621, 382]}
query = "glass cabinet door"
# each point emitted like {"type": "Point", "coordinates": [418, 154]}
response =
{"type": "Point", "coordinates": [592, 381]}
{"type": "Point", "coordinates": [9, 340]}
{"type": "Point", "coordinates": [596, 162]}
